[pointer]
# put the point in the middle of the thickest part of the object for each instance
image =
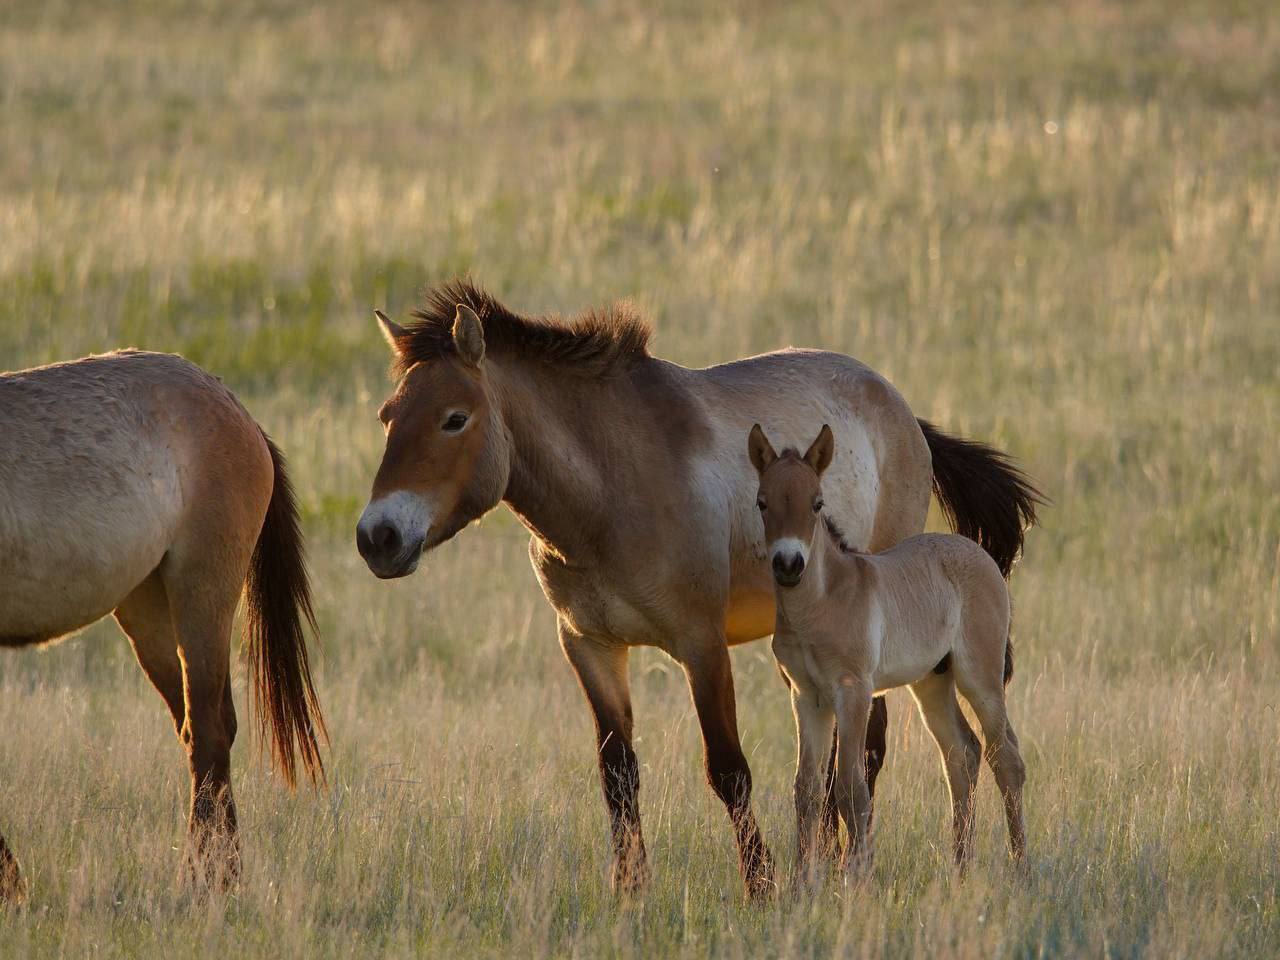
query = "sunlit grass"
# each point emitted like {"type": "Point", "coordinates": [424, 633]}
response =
{"type": "Point", "coordinates": [1057, 229]}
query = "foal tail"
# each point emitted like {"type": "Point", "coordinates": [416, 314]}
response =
{"type": "Point", "coordinates": [984, 495]}
{"type": "Point", "coordinates": [278, 601]}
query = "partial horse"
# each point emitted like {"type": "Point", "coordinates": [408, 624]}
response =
{"type": "Point", "coordinates": [136, 484]}
{"type": "Point", "coordinates": [630, 474]}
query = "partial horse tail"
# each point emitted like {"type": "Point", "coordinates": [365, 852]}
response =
{"type": "Point", "coordinates": [1008, 654]}
{"type": "Point", "coordinates": [984, 494]}
{"type": "Point", "coordinates": [278, 601]}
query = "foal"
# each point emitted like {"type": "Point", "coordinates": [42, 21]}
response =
{"type": "Point", "coordinates": [931, 613]}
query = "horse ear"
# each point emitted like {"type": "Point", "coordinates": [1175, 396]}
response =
{"type": "Point", "coordinates": [821, 450]}
{"type": "Point", "coordinates": [468, 335]}
{"type": "Point", "coordinates": [760, 450]}
{"type": "Point", "coordinates": [392, 332]}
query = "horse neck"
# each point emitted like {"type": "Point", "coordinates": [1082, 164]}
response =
{"type": "Point", "coordinates": [557, 425]}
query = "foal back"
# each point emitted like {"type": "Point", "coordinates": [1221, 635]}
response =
{"type": "Point", "coordinates": [938, 598]}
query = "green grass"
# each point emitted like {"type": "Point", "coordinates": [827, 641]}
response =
{"type": "Point", "coordinates": [1054, 227]}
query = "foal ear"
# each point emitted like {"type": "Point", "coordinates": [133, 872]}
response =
{"type": "Point", "coordinates": [760, 450]}
{"type": "Point", "coordinates": [821, 450]}
{"type": "Point", "coordinates": [468, 335]}
{"type": "Point", "coordinates": [392, 332]}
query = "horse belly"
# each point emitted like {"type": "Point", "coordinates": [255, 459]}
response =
{"type": "Point", "coordinates": [75, 544]}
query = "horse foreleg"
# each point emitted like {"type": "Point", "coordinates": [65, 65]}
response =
{"type": "Point", "coordinates": [853, 796]}
{"type": "Point", "coordinates": [877, 747]}
{"type": "Point", "coordinates": [602, 670]}
{"type": "Point", "coordinates": [815, 726]}
{"type": "Point", "coordinates": [711, 683]}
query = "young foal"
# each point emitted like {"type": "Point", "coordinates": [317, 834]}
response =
{"type": "Point", "coordinates": [136, 484]}
{"type": "Point", "coordinates": [931, 613]}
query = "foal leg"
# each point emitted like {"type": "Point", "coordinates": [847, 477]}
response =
{"type": "Point", "coordinates": [711, 683]}
{"type": "Point", "coordinates": [815, 727]}
{"type": "Point", "coordinates": [602, 671]}
{"type": "Point", "coordinates": [853, 796]}
{"type": "Point", "coordinates": [1005, 759]}
{"type": "Point", "coordinates": [877, 747]}
{"type": "Point", "coordinates": [936, 697]}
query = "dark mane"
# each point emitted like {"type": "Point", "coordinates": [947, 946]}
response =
{"type": "Point", "coordinates": [592, 344]}
{"type": "Point", "coordinates": [837, 536]}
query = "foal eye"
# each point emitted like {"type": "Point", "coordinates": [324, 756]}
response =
{"type": "Point", "coordinates": [760, 505]}
{"type": "Point", "coordinates": [817, 505]}
{"type": "Point", "coordinates": [455, 422]}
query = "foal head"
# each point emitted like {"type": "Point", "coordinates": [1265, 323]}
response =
{"type": "Point", "coordinates": [447, 459]}
{"type": "Point", "coordinates": [790, 500]}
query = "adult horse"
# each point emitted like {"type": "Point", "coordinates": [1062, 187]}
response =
{"type": "Point", "coordinates": [136, 483]}
{"type": "Point", "coordinates": [631, 475]}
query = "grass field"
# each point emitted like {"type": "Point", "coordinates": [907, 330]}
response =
{"type": "Point", "coordinates": [1056, 228]}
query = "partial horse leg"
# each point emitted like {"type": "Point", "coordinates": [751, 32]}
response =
{"type": "Point", "coordinates": [877, 748]}
{"type": "Point", "coordinates": [853, 796]}
{"type": "Point", "coordinates": [202, 614]}
{"type": "Point", "coordinates": [12, 888]}
{"type": "Point", "coordinates": [936, 697]}
{"type": "Point", "coordinates": [815, 727]}
{"type": "Point", "coordinates": [602, 671]}
{"type": "Point", "coordinates": [711, 683]}
{"type": "Point", "coordinates": [1003, 756]}
{"type": "Point", "coordinates": [145, 618]}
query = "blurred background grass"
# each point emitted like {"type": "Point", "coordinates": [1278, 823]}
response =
{"type": "Point", "coordinates": [1054, 227]}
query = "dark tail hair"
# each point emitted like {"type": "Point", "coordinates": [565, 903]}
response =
{"type": "Point", "coordinates": [279, 600]}
{"type": "Point", "coordinates": [1008, 657]}
{"type": "Point", "coordinates": [984, 494]}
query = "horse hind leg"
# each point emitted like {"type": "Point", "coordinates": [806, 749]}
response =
{"type": "Point", "coordinates": [203, 606]}
{"type": "Point", "coordinates": [1005, 760]}
{"type": "Point", "coordinates": [12, 887]}
{"type": "Point", "coordinates": [961, 757]}
{"type": "Point", "coordinates": [145, 618]}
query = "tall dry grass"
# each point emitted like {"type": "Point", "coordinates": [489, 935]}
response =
{"type": "Point", "coordinates": [1055, 228]}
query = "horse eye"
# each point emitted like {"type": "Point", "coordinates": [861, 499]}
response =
{"type": "Point", "coordinates": [817, 505]}
{"type": "Point", "coordinates": [760, 505]}
{"type": "Point", "coordinates": [455, 422]}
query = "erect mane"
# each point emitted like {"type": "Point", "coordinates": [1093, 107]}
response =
{"type": "Point", "coordinates": [593, 343]}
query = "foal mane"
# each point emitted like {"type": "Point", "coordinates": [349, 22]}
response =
{"type": "Point", "coordinates": [594, 343]}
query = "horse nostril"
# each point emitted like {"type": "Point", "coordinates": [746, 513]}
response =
{"type": "Point", "coordinates": [789, 568]}
{"type": "Point", "coordinates": [386, 539]}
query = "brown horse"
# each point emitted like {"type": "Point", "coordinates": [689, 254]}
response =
{"type": "Point", "coordinates": [135, 483]}
{"type": "Point", "coordinates": [631, 475]}
{"type": "Point", "coordinates": [931, 612]}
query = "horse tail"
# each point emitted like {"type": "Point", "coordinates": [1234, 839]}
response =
{"type": "Point", "coordinates": [278, 602]}
{"type": "Point", "coordinates": [984, 494]}
{"type": "Point", "coordinates": [1008, 655]}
